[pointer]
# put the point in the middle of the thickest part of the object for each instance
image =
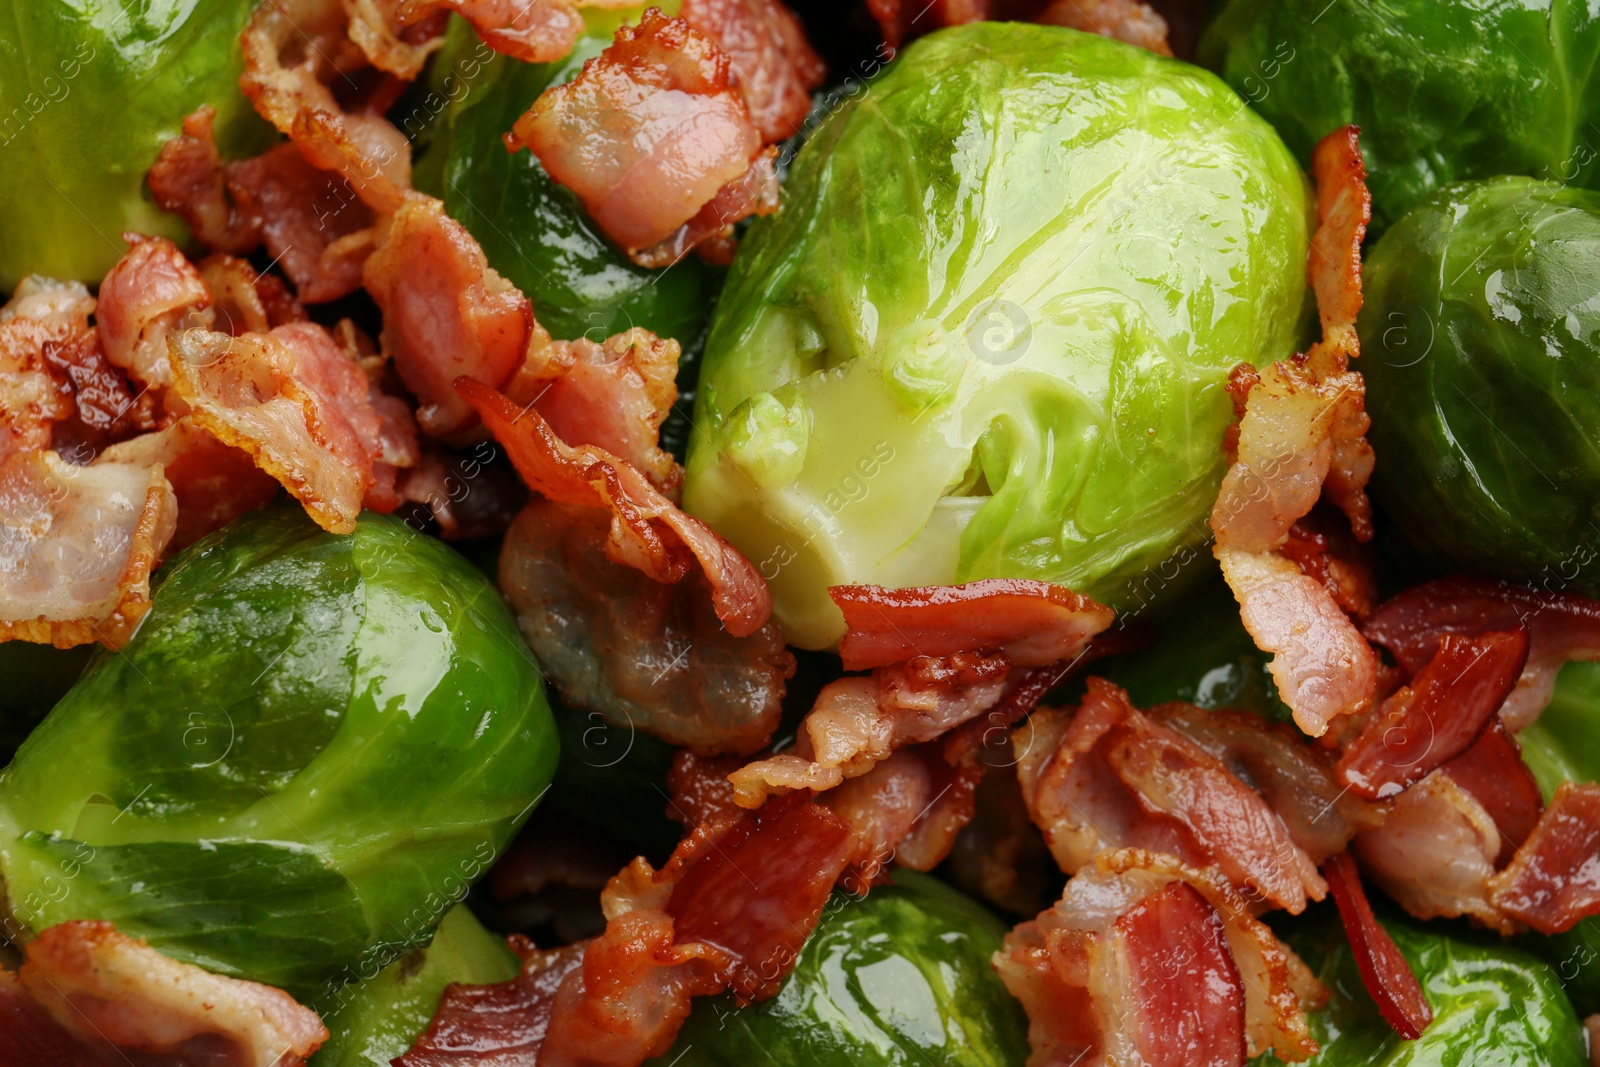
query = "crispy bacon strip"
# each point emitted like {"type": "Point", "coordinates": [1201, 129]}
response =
{"type": "Point", "coordinates": [1555, 878]}
{"type": "Point", "coordinates": [772, 64]}
{"type": "Point", "coordinates": [1561, 627]}
{"type": "Point", "coordinates": [446, 312]}
{"type": "Point", "coordinates": [106, 987]}
{"type": "Point", "coordinates": [1131, 21]}
{"type": "Point", "coordinates": [647, 531]}
{"type": "Point", "coordinates": [1344, 208]}
{"type": "Point", "coordinates": [149, 293]}
{"type": "Point", "coordinates": [534, 31]}
{"type": "Point", "coordinates": [1384, 972]}
{"type": "Point", "coordinates": [647, 135]}
{"type": "Point", "coordinates": [1493, 772]}
{"type": "Point", "coordinates": [858, 721]}
{"type": "Point", "coordinates": [641, 653]}
{"type": "Point", "coordinates": [1438, 716]}
{"type": "Point", "coordinates": [1033, 623]}
{"type": "Point", "coordinates": [77, 547]}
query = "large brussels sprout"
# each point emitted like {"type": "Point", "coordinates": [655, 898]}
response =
{"type": "Point", "coordinates": [1481, 342]}
{"type": "Point", "coordinates": [1493, 1005]}
{"type": "Point", "coordinates": [989, 333]}
{"type": "Point", "coordinates": [88, 92]}
{"type": "Point", "coordinates": [307, 752]}
{"type": "Point", "coordinates": [372, 1022]}
{"type": "Point", "coordinates": [1442, 89]}
{"type": "Point", "coordinates": [534, 231]}
{"type": "Point", "coordinates": [900, 978]}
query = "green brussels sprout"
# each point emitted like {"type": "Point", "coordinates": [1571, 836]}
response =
{"type": "Point", "coordinates": [90, 92]}
{"type": "Point", "coordinates": [1481, 343]}
{"type": "Point", "coordinates": [900, 978]}
{"type": "Point", "coordinates": [372, 1022]}
{"type": "Point", "coordinates": [1443, 90]}
{"type": "Point", "coordinates": [534, 231]}
{"type": "Point", "coordinates": [989, 334]}
{"type": "Point", "coordinates": [308, 751]}
{"type": "Point", "coordinates": [1493, 1005]}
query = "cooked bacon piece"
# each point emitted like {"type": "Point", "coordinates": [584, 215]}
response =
{"type": "Point", "coordinates": [104, 407]}
{"type": "Point", "coordinates": [390, 43]}
{"type": "Point", "coordinates": [1330, 554]}
{"type": "Point", "coordinates": [954, 788]}
{"type": "Point", "coordinates": [105, 986]}
{"type": "Point", "coordinates": [1078, 970]}
{"type": "Point", "coordinates": [1344, 208]}
{"type": "Point", "coordinates": [1000, 856]}
{"type": "Point", "coordinates": [78, 546]}
{"type": "Point", "coordinates": [1555, 878]}
{"type": "Point", "coordinates": [647, 532]}
{"type": "Point", "coordinates": [698, 788]}
{"type": "Point", "coordinates": [1033, 623]}
{"type": "Point", "coordinates": [446, 312]}
{"type": "Point", "coordinates": [858, 721]}
{"type": "Point", "coordinates": [710, 231]}
{"type": "Point", "coordinates": [612, 395]}
{"type": "Point", "coordinates": [1438, 716]}
{"type": "Point", "coordinates": [1322, 666]}
{"type": "Point", "coordinates": [1493, 772]}
{"type": "Point", "coordinates": [1561, 627]}
{"type": "Point", "coordinates": [467, 495]}
{"type": "Point", "coordinates": [244, 301]}
{"type": "Point", "coordinates": [34, 394]}
{"type": "Point", "coordinates": [1384, 972]}
{"type": "Point", "coordinates": [188, 179]}
{"type": "Point", "coordinates": [29, 1036]}
{"type": "Point", "coordinates": [640, 652]}
{"type": "Point", "coordinates": [501, 1025]}
{"type": "Point", "coordinates": [900, 20]}
{"type": "Point", "coordinates": [534, 31]}
{"type": "Point", "coordinates": [647, 135]}
{"type": "Point", "coordinates": [145, 296]}
{"type": "Point", "coordinates": [1435, 853]}
{"type": "Point", "coordinates": [881, 806]}
{"type": "Point", "coordinates": [1131, 21]}
{"type": "Point", "coordinates": [773, 65]}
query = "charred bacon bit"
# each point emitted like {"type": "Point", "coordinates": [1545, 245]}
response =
{"type": "Point", "coordinates": [104, 407]}
{"type": "Point", "coordinates": [1493, 772]}
{"type": "Point", "coordinates": [43, 317]}
{"type": "Point", "coordinates": [1384, 972]}
{"type": "Point", "coordinates": [773, 65]}
{"type": "Point", "coordinates": [1033, 623]}
{"type": "Point", "coordinates": [901, 20]}
{"type": "Point", "coordinates": [446, 312]}
{"type": "Point", "coordinates": [1438, 716]}
{"type": "Point", "coordinates": [534, 31]}
{"type": "Point", "coordinates": [1561, 627]}
{"type": "Point", "coordinates": [857, 722]}
{"type": "Point", "coordinates": [1554, 881]}
{"type": "Point", "coordinates": [145, 296]}
{"type": "Point", "coordinates": [641, 653]}
{"type": "Point", "coordinates": [613, 395]}
{"type": "Point", "coordinates": [188, 179]}
{"type": "Point", "coordinates": [1131, 21]}
{"type": "Point", "coordinates": [647, 135]}
{"type": "Point", "coordinates": [647, 532]}
{"type": "Point", "coordinates": [78, 547]}
{"type": "Point", "coordinates": [104, 986]}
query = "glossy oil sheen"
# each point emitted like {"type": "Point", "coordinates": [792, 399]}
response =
{"type": "Point", "coordinates": [1480, 343]}
{"type": "Point", "coordinates": [1442, 89]}
{"type": "Point", "coordinates": [901, 978]}
{"type": "Point", "coordinates": [989, 332]}
{"type": "Point", "coordinates": [310, 749]}
{"type": "Point", "coordinates": [88, 92]}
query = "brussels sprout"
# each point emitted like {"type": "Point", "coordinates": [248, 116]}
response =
{"type": "Point", "coordinates": [1481, 342]}
{"type": "Point", "coordinates": [1442, 89]}
{"type": "Point", "coordinates": [533, 230]}
{"type": "Point", "coordinates": [1493, 1005]}
{"type": "Point", "coordinates": [986, 336]}
{"type": "Point", "coordinates": [308, 751]}
{"type": "Point", "coordinates": [900, 978]}
{"type": "Point", "coordinates": [374, 1021]}
{"type": "Point", "coordinates": [90, 92]}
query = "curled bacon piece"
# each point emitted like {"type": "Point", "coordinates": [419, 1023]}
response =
{"type": "Point", "coordinates": [146, 295]}
{"type": "Point", "coordinates": [1130, 21]}
{"type": "Point", "coordinates": [773, 65]}
{"type": "Point", "coordinates": [78, 546]}
{"type": "Point", "coordinates": [647, 532]}
{"type": "Point", "coordinates": [1555, 878]}
{"type": "Point", "coordinates": [858, 721]}
{"type": "Point", "coordinates": [1561, 626]}
{"type": "Point", "coordinates": [1089, 972]}
{"type": "Point", "coordinates": [107, 988]}
{"type": "Point", "coordinates": [1437, 716]}
{"type": "Point", "coordinates": [642, 653]}
{"type": "Point", "coordinates": [534, 31]}
{"type": "Point", "coordinates": [1384, 972]}
{"type": "Point", "coordinates": [647, 136]}
{"type": "Point", "coordinates": [1033, 623]}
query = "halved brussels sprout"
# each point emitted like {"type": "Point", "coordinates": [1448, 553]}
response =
{"type": "Point", "coordinates": [900, 978]}
{"type": "Point", "coordinates": [309, 750]}
{"type": "Point", "coordinates": [1481, 351]}
{"type": "Point", "coordinates": [88, 92]}
{"type": "Point", "coordinates": [1442, 89]}
{"type": "Point", "coordinates": [989, 332]}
